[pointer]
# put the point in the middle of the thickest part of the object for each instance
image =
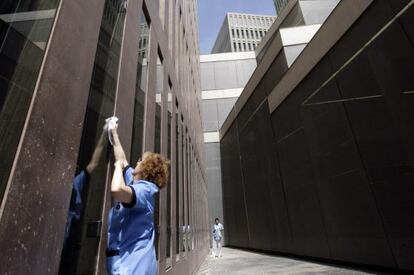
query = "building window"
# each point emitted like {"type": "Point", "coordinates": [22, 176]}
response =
{"type": "Point", "coordinates": [169, 187]}
{"type": "Point", "coordinates": [188, 190]}
{"type": "Point", "coordinates": [140, 90]}
{"type": "Point", "coordinates": [80, 255]}
{"type": "Point", "coordinates": [158, 100]}
{"type": "Point", "coordinates": [177, 181]}
{"type": "Point", "coordinates": [183, 186]}
{"type": "Point", "coordinates": [17, 79]}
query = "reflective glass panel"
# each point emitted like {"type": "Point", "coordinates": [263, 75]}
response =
{"type": "Point", "coordinates": [25, 26]}
{"type": "Point", "coordinates": [189, 182]}
{"type": "Point", "coordinates": [168, 246]}
{"type": "Point", "coordinates": [157, 136]}
{"type": "Point", "coordinates": [140, 89]}
{"type": "Point", "coordinates": [183, 169]}
{"type": "Point", "coordinates": [187, 231]}
{"type": "Point", "coordinates": [158, 105]}
{"type": "Point", "coordinates": [84, 223]}
{"type": "Point", "coordinates": [177, 183]}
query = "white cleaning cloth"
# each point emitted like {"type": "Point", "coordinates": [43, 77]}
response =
{"type": "Point", "coordinates": [111, 123]}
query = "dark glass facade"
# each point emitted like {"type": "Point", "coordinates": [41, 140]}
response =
{"type": "Point", "coordinates": [169, 215]}
{"type": "Point", "coordinates": [178, 185]}
{"type": "Point", "coordinates": [78, 255]}
{"type": "Point", "coordinates": [329, 173]}
{"type": "Point", "coordinates": [24, 32]}
{"type": "Point", "coordinates": [158, 103]}
{"type": "Point", "coordinates": [60, 78]}
{"type": "Point", "coordinates": [140, 88]}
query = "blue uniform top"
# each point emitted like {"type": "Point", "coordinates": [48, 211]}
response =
{"type": "Point", "coordinates": [131, 230]}
{"type": "Point", "coordinates": [76, 205]}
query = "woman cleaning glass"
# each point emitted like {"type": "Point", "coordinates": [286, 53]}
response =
{"type": "Point", "coordinates": [131, 232]}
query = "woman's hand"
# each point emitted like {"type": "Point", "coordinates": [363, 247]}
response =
{"type": "Point", "coordinates": [118, 151]}
{"type": "Point", "coordinates": [120, 192]}
{"type": "Point", "coordinates": [121, 164]}
{"type": "Point", "coordinates": [113, 128]}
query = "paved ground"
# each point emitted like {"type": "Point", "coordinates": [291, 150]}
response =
{"type": "Point", "coordinates": [241, 262]}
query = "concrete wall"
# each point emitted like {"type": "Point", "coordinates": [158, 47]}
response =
{"type": "Point", "coordinates": [223, 77]}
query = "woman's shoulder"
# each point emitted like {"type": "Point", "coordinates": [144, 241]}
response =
{"type": "Point", "coordinates": [146, 186]}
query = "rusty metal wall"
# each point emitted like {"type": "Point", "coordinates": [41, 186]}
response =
{"type": "Point", "coordinates": [34, 207]}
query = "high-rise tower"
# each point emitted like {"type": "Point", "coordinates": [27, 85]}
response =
{"type": "Point", "coordinates": [242, 32]}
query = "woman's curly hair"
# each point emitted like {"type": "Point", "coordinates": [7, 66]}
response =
{"type": "Point", "coordinates": [153, 168]}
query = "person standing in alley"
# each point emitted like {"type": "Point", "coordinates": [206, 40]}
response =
{"type": "Point", "coordinates": [217, 237]}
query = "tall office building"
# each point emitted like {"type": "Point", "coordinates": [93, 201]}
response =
{"type": "Point", "coordinates": [143, 41]}
{"type": "Point", "coordinates": [242, 32]}
{"type": "Point", "coordinates": [65, 67]}
{"type": "Point", "coordinates": [279, 5]}
{"type": "Point", "coordinates": [317, 156]}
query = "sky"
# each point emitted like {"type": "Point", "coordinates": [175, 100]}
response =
{"type": "Point", "coordinates": [212, 12]}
